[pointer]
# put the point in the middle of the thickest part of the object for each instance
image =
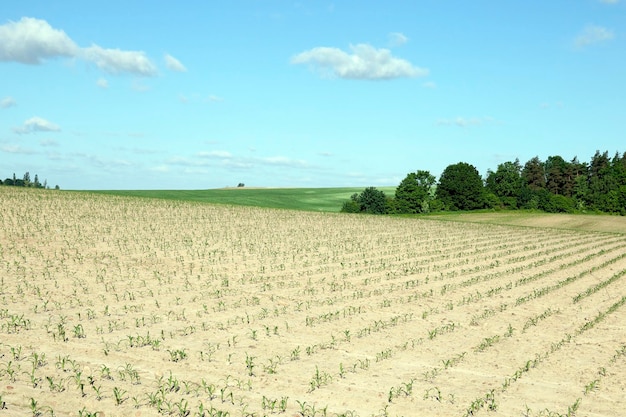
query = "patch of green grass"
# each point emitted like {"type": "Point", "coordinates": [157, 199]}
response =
{"type": "Point", "coordinates": [308, 199]}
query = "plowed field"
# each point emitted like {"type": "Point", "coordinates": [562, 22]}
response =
{"type": "Point", "coordinates": [135, 307]}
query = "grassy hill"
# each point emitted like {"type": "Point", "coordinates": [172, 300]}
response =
{"type": "Point", "coordinates": [331, 200]}
{"type": "Point", "coordinates": [308, 199]}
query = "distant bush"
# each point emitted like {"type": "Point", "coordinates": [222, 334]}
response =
{"type": "Point", "coordinates": [370, 201]}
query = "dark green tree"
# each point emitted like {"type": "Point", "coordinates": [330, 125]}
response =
{"type": "Point", "coordinates": [556, 170]}
{"type": "Point", "coordinates": [352, 205]}
{"type": "Point", "coordinates": [370, 200]}
{"type": "Point", "coordinates": [534, 174]}
{"type": "Point", "coordinates": [601, 182]}
{"type": "Point", "coordinates": [619, 168]}
{"type": "Point", "coordinates": [461, 188]}
{"type": "Point", "coordinates": [373, 201]}
{"type": "Point", "coordinates": [506, 183]}
{"type": "Point", "coordinates": [413, 193]}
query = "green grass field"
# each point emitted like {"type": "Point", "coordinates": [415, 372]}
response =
{"type": "Point", "coordinates": [308, 199]}
{"type": "Point", "coordinates": [331, 200]}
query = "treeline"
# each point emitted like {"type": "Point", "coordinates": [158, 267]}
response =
{"type": "Point", "coordinates": [554, 185]}
{"type": "Point", "coordinates": [25, 181]}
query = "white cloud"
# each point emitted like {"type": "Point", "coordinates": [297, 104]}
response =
{"type": "Point", "coordinates": [363, 63]}
{"type": "Point", "coordinates": [593, 34]}
{"type": "Point", "coordinates": [224, 158]}
{"type": "Point", "coordinates": [7, 102]}
{"type": "Point", "coordinates": [116, 61]}
{"type": "Point", "coordinates": [173, 64]}
{"type": "Point", "coordinates": [102, 83]}
{"type": "Point", "coordinates": [609, 1]}
{"type": "Point", "coordinates": [48, 142]}
{"type": "Point", "coordinates": [430, 84]}
{"type": "Point", "coordinates": [17, 149]}
{"type": "Point", "coordinates": [464, 121]}
{"type": "Point", "coordinates": [36, 124]}
{"type": "Point", "coordinates": [283, 161]}
{"type": "Point", "coordinates": [32, 41]}
{"type": "Point", "coordinates": [397, 39]}
{"type": "Point", "coordinates": [213, 98]}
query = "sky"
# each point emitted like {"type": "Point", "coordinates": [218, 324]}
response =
{"type": "Point", "coordinates": [208, 94]}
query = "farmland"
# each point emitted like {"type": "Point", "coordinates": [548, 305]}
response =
{"type": "Point", "coordinates": [309, 199]}
{"type": "Point", "coordinates": [113, 305]}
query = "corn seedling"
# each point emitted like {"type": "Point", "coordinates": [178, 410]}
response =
{"type": "Point", "coordinates": [250, 364]}
{"type": "Point", "coordinates": [177, 355]}
{"type": "Point", "coordinates": [37, 410]}
{"type": "Point", "coordinates": [319, 379]}
{"type": "Point", "coordinates": [119, 395]}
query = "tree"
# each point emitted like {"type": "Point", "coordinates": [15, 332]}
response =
{"type": "Point", "coordinates": [352, 205]}
{"type": "Point", "coordinates": [461, 187]}
{"type": "Point", "coordinates": [370, 200]}
{"type": "Point", "coordinates": [413, 193]}
{"type": "Point", "coordinates": [601, 182]}
{"type": "Point", "coordinates": [534, 175]}
{"type": "Point", "coordinates": [556, 170]}
{"type": "Point", "coordinates": [506, 183]}
{"type": "Point", "coordinates": [27, 179]}
{"type": "Point", "coordinates": [373, 201]}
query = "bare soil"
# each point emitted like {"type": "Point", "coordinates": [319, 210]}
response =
{"type": "Point", "coordinates": [116, 306]}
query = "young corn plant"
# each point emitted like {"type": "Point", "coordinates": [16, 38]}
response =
{"type": "Point", "coordinates": [319, 379]}
{"type": "Point", "coordinates": [119, 395]}
{"type": "Point", "coordinates": [250, 364]}
{"type": "Point", "coordinates": [177, 355]}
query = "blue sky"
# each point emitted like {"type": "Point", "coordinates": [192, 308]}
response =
{"type": "Point", "coordinates": [156, 95]}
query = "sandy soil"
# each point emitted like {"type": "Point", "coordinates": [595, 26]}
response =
{"type": "Point", "coordinates": [121, 307]}
{"type": "Point", "coordinates": [590, 223]}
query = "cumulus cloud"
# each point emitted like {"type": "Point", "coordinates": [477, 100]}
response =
{"type": "Point", "coordinates": [173, 64]}
{"type": "Point", "coordinates": [36, 124]}
{"type": "Point", "coordinates": [7, 102]}
{"type": "Point", "coordinates": [593, 34]}
{"type": "Point", "coordinates": [32, 41]}
{"type": "Point", "coordinates": [397, 39]}
{"type": "Point", "coordinates": [464, 121]}
{"type": "Point", "coordinates": [364, 62]}
{"type": "Point", "coordinates": [117, 61]}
